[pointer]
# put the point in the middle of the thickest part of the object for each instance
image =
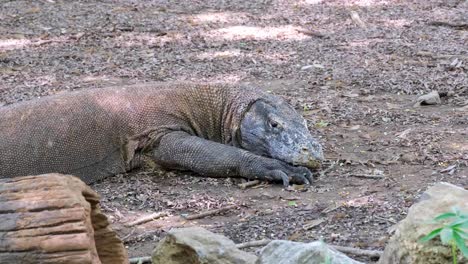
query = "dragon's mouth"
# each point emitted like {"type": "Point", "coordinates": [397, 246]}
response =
{"type": "Point", "coordinates": [311, 164]}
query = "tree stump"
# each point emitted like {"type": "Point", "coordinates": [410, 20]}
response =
{"type": "Point", "coordinates": [54, 218]}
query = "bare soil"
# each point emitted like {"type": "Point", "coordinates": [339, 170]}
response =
{"type": "Point", "coordinates": [355, 83]}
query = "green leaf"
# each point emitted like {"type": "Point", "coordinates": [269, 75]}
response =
{"type": "Point", "coordinates": [459, 223]}
{"type": "Point", "coordinates": [446, 235]}
{"type": "Point", "coordinates": [460, 242]}
{"type": "Point", "coordinates": [462, 233]}
{"type": "Point", "coordinates": [292, 203]}
{"type": "Point", "coordinates": [464, 225]}
{"type": "Point", "coordinates": [445, 216]}
{"type": "Point", "coordinates": [431, 235]}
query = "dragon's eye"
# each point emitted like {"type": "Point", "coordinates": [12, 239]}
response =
{"type": "Point", "coordinates": [273, 123]}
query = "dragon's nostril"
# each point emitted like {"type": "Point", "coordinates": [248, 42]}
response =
{"type": "Point", "coordinates": [305, 148]}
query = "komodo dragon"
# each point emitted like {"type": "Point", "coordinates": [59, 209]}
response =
{"type": "Point", "coordinates": [214, 130]}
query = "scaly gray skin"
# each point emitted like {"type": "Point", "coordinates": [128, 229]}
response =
{"type": "Point", "coordinates": [274, 135]}
{"type": "Point", "coordinates": [273, 128]}
{"type": "Point", "coordinates": [218, 131]}
{"type": "Point", "coordinates": [273, 138]}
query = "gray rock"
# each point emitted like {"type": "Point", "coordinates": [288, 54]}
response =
{"type": "Point", "coordinates": [431, 98]}
{"type": "Point", "coordinates": [404, 248]}
{"type": "Point", "coordinates": [198, 246]}
{"type": "Point", "coordinates": [288, 252]}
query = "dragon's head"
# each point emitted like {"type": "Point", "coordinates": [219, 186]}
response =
{"type": "Point", "coordinates": [272, 128]}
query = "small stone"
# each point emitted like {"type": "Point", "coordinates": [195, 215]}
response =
{"type": "Point", "coordinates": [288, 252]}
{"type": "Point", "coordinates": [408, 157]}
{"type": "Point", "coordinates": [431, 98]}
{"type": "Point", "coordinates": [404, 246]}
{"type": "Point", "coordinates": [197, 245]}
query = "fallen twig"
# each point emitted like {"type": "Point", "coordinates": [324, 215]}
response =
{"type": "Point", "coordinates": [327, 170]}
{"type": "Point", "coordinates": [385, 219]}
{"type": "Point", "coordinates": [147, 218]}
{"type": "Point", "coordinates": [359, 252]}
{"type": "Point", "coordinates": [140, 260]}
{"type": "Point", "coordinates": [460, 26]}
{"type": "Point", "coordinates": [255, 243]}
{"type": "Point", "coordinates": [440, 56]}
{"type": "Point", "coordinates": [248, 184]}
{"type": "Point", "coordinates": [331, 208]}
{"type": "Point", "coordinates": [210, 212]}
{"type": "Point", "coordinates": [313, 223]}
{"type": "Point", "coordinates": [312, 33]}
{"type": "Point", "coordinates": [128, 235]}
{"type": "Point", "coordinates": [368, 176]}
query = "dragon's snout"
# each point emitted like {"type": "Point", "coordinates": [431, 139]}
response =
{"type": "Point", "coordinates": [309, 156]}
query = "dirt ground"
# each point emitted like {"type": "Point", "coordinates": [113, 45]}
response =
{"type": "Point", "coordinates": [354, 81]}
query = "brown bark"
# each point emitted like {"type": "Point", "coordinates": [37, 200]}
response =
{"type": "Point", "coordinates": [54, 218]}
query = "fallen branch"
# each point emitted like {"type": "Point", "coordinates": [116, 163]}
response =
{"type": "Point", "coordinates": [359, 252]}
{"type": "Point", "coordinates": [312, 33]}
{"type": "Point", "coordinates": [147, 218]}
{"type": "Point", "coordinates": [331, 208]}
{"type": "Point", "coordinates": [440, 56]}
{"type": "Point", "coordinates": [313, 223]}
{"type": "Point", "coordinates": [368, 176]}
{"type": "Point", "coordinates": [124, 239]}
{"type": "Point", "coordinates": [386, 219]}
{"type": "Point", "coordinates": [140, 260]}
{"type": "Point", "coordinates": [347, 250]}
{"type": "Point", "coordinates": [248, 184]}
{"type": "Point", "coordinates": [327, 170]}
{"type": "Point", "coordinates": [210, 212]}
{"type": "Point", "coordinates": [460, 26]}
{"type": "Point", "coordinates": [255, 243]}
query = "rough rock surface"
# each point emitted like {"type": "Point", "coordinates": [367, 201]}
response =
{"type": "Point", "coordinates": [198, 245]}
{"type": "Point", "coordinates": [431, 98]}
{"type": "Point", "coordinates": [404, 248]}
{"type": "Point", "coordinates": [288, 252]}
{"type": "Point", "coordinates": [55, 218]}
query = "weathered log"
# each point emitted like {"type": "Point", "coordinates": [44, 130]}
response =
{"type": "Point", "coordinates": [54, 218]}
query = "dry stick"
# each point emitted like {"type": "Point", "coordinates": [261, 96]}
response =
{"type": "Point", "coordinates": [210, 212]}
{"type": "Point", "coordinates": [359, 252]}
{"type": "Point", "coordinates": [386, 219]}
{"type": "Point", "coordinates": [331, 208]}
{"type": "Point", "coordinates": [313, 223]}
{"type": "Point", "coordinates": [312, 33]}
{"type": "Point", "coordinates": [327, 170]}
{"type": "Point", "coordinates": [440, 56]}
{"type": "Point", "coordinates": [140, 260]}
{"type": "Point", "coordinates": [248, 184]}
{"type": "Point", "coordinates": [255, 243]}
{"type": "Point", "coordinates": [128, 235]}
{"type": "Point", "coordinates": [147, 218]}
{"type": "Point", "coordinates": [448, 24]}
{"type": "Point", "coordinates": [367, 176]}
